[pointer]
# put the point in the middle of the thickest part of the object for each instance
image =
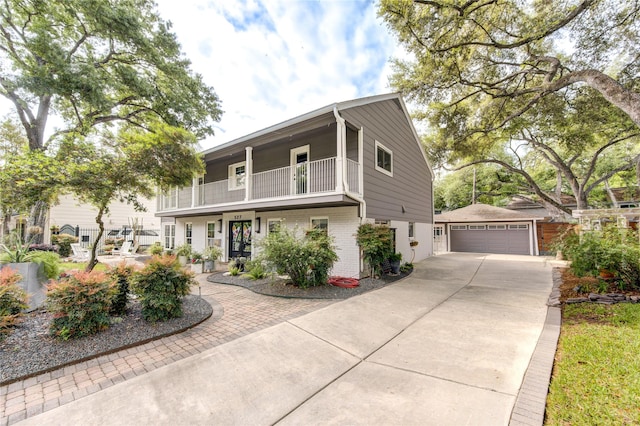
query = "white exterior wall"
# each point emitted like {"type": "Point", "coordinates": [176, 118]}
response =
{"type": "Point", "coordinates": [423, 234]}
{"type": "Point", "coordinates": [70, 211]}
{"type": "Point", "coordinates": [343, 226]}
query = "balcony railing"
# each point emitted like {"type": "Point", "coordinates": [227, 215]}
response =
{"type": "Point", "coordinates": [315, 177]}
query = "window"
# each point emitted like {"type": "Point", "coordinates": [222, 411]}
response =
{"type": "Point", "coordinates": [384, 159]}
{"type": "Point", "coordinates": [170, 236]}
{"type": "Point", "coordinates": [320, 223]}
{"type": "Point", "coordinates": [237, 173]}
{"type": "Point", "coordinates": [188, 233]}
{"type": "Point", "coordinates": [273, 225]}
{"type": "Point", "coordinates": [523, 226]}
{"type": "Point", "coordinates": [496, 227]}
{"type": "Point", "coordinates": [211, 233]}
{"type": "Point", "coordinates": [458, 227]}
{"type": "Point", "coordinates": [477, 227]}
{"type": "Point", "coordinates": [412, 226]}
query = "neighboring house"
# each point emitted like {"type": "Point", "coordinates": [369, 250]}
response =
{"type": "Point", "coordinates": [480, 228]}
{"type": "Point", "coordinates": [333, 168]}
{"type": "Point", "coordinates": [74, 218]}
{"type": "Point", "coordinates": [555, 222]}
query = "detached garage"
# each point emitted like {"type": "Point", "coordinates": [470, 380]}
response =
{"type": "Point", "coordinates": [480, 228]}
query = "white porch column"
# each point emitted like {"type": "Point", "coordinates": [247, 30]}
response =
{"type": "Point", "coordinates": [194, 184]}
{"type": "Point", "coordinates": [341, 137]}
{"type": "Point", "coordinates": [248, 179]}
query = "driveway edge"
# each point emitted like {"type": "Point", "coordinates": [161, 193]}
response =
{"type": "Point", "coordinates": [532, 398]}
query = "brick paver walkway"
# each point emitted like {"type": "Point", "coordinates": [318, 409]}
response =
{"type": "Point", "coordinates": [244, 312]}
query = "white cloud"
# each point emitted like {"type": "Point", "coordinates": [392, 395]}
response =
{"type": "Point", "coordinates": [272, 60]}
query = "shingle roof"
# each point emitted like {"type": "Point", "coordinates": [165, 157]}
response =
{"type": "Point", "coordinates": [483, 213]}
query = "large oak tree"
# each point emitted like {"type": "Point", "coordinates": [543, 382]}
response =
{"type": "Point", "coordinates": [93, 63]}
{"type": "Point", "coordinates": [490, 73]}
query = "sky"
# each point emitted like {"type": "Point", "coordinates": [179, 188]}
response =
{"type": "Point", "coordinates": [272, 60]}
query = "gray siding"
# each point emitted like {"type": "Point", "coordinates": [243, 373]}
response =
{"type": "Point", "coordinates": [411, 183]}
{"type": "Point", "coordinates": [322, 144]}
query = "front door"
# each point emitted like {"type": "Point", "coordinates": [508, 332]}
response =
{"type": "Point", "coordinates": [300, 170]}
{"type": "Point", "coordinates": [240, 239]}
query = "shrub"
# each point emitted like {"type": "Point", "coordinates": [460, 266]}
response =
{"type": "Point", "coordinates": [49, 260]}
{"type": "Point", "coordinates": [156, 249]}
{"type": "Point", "coordinates": [160, 286]}
{"type": "Point", "coordinates": [121, 274]}
{"type": "Point", "coordinates": [80, 304]}
{"type": "Point", "coordinates": [63, 241]}
{"type": "Point", "coordinates": [376, 243]}
{"type": "Point", "coordinates": [44, 247]}
{"type": "Point", "coordinates": [13, 299]}
{"type": "Point", "coordinates": [254, 270]}
{"type": "Point", "coordinates": [307, 260]}
{"type": "Point", "coordinates": [610, 249]}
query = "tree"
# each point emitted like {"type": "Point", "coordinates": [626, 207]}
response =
{"type": "Point", "coordinates": [93, 63]}
{"type": "Point", "coordinates": [498, 77]}
{"type": "Point", "coordinates": [12, 143]}
{"type": "Point", "coordinates": [557, 148]}
{"type": "Point", "coordinates": [130, 165]}
{"type": "Point", "coordinates": [501, 58]}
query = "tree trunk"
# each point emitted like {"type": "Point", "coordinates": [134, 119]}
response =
{"type": "Point", "coordinates": [38, 219]}
{"type": "Point", "coordinates": [93, 260]}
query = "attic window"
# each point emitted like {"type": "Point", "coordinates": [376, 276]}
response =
{"type": "Point", "coordinates": [384, 159]}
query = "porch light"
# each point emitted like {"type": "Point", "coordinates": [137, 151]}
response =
{"type": "Point", "coordinates": [220, 226]}
{"type": "Point", "coordinates": [257, 225]}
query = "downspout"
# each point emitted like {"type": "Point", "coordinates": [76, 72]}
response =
{"type": "Point", "coordinates": [536, 251]}
{"type": "Point", "coordinates": [343, 185]}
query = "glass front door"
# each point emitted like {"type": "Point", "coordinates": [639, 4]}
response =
{"type": "Point", "coordinates": [240, 239]}
{"type": "Point", "coordinates": [299, 170]}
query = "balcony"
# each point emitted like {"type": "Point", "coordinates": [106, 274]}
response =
{"type": "Point", "coordinates": [314, 178]}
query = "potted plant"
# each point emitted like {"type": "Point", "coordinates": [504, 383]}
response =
{"type": "Point", "coordinates": [394, 260]}
{"type": "Point", "coordinates": [34, 266]}
{"type": "Point", "coordinates": [211, 254]}
{"type": "Point", "coordinates": [184, 253]}
{"type": "Point", "coordinates": [196, 262]}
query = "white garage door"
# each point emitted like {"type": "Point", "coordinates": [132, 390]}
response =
{"type": "Point", "coordinates": [490, 238]}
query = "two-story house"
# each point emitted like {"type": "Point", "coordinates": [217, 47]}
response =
{"type": "Point", "coordinates": [335, 168]}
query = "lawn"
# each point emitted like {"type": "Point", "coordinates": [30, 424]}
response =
{"type": "Point", "coordinates": [596, 376]}
{"type": "Point", "coordinates": [67, 266]}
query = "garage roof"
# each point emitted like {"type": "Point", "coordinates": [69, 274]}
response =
{"type": "Point", "coordinates": [483, 213]}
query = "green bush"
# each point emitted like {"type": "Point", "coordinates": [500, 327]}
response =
{"type": "Point", "coordinates": [610, 249]}
{"type": "Point", "coordinates": [160, 286]}
{"type": "Point", "coordinates": [307, 260]}
{"type": "Point", "coordinates": [64, 241]}
{"type": "Point", "coordinates": [254, 270]}
{"type": "Point", "coordinates": [121, 274]}
{"type": "Point", "coordinates": [80, 304]}
{"type": "Point", "coordinates": [13, 299]}
{"type": "Point", "coordinates": [376, 243]}
{"type": "Point", "coordinates": [49, 260]}
{"type": "Point", "coordinates": [156, 249]}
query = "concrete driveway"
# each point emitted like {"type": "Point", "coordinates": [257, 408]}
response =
{"type": "Point", "coordinates": [448, 345]}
